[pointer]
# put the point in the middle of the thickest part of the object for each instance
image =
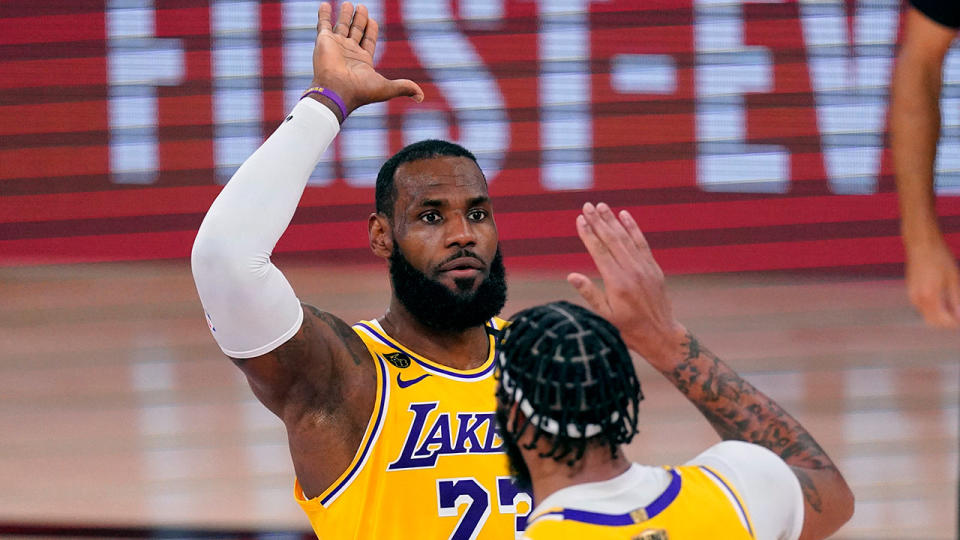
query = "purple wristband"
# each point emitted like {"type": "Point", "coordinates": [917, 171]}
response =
{"type": "Point", "coordinates": [330, 94]}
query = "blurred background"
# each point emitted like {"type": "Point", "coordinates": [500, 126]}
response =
{"type": "Point", "coordinates": [748, 138]}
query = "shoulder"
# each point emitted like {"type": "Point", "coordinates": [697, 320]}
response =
{"type": "Point", "coordinates": [738, 453]}
{"type": "Point", "coordinates": [747, 463]}
{"type": "Point", "coordinates": [333, 331]}
{"type": "Point", "coordinates": [327, 362]}
{"type": "Point", "coordinates": [764, 482]}
{"type": "Point", "coordinates": [322, 367]}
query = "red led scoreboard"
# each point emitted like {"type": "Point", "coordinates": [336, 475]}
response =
{"type": "Point", "coordinates": [743, 135]}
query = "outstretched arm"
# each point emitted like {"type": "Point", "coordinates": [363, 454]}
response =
{"type": "Point", "coordinates": [343, 61]}
{"type": "Point", "coordinates": [252, 310]}
{"type": "Point", "coordinates": [634, 299]}
{"type": "Point", "coordinates": [933, 281]}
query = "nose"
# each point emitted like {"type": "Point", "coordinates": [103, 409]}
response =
{"type": "Point", "coordinates": [460, 232]}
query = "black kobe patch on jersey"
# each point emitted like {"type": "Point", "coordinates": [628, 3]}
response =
{"type": "Point", "coordinates": [398, 359]}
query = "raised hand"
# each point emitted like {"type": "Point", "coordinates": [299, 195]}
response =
{"type": "Point", "coordinates": [933, 284]}
{"type": "Point", "coordinates": [343, 59]}
{"type": "Point", "coordinates": [633, 297]}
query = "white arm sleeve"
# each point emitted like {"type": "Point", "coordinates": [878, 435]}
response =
{"type": "Point", "coordinates": [250, 307]}
{"type": "Point", "coordinates": [767, 485]}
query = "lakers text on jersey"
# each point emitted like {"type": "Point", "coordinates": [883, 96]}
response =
{"type": "Point", "coordinates": [431, 464]}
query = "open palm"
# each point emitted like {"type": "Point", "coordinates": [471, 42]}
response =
{"type": "Point", "coordinates": [634, 298]}
{"type": "Point", "coordinates": [343, 59]}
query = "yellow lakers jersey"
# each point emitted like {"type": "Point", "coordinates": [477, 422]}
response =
{"type": "Point", "coordinates": [698, 504]}
{"type": "Point", "coordinates": [431, 464]}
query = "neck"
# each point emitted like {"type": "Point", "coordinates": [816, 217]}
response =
{"type": "Point", "coordinates": [550, 476]}
{"type": "Point", "coordinates": [465, 349]}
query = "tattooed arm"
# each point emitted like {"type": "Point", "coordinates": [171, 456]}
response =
{"type": "Point", "coordinates": [635, 300]}
{"type": "Point", "coordinates": [738, 411]}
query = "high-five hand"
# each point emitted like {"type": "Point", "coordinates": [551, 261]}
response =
{"type": "Point", "coordinates": [343, 59]}
{"type": "Point", "coordinates": [633, 298]}
{"type": "Point", "coordinates": [933, 283]}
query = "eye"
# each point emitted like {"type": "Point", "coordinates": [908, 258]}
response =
{"type": "Point", "coordinates": [477, 214]}
{"type": "Point", "coordinates": [430, 217]}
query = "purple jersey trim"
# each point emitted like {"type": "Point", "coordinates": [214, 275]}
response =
{"type": "Point", "coordinates": [618, 520]}
{"type": "Point", "coordinates": [733, 495]}
{"type": "Point", "coordinates": [668, 496]}
{"type": "Point", "coordinates": [433, 369]}
{"type": "Point", "coordinates": [374, 434]}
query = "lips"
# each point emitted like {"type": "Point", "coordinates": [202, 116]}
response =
{"type": "Point", "coordinates": [462, 264]}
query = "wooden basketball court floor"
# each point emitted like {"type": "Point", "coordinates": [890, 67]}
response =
{"type": "Point", "coordinates": [117, 408]}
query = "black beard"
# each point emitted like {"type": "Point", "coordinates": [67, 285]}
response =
{"type": "Point", "coordinates": [436, 306]}
{"type": "Point", "coordinates": [518, 467]}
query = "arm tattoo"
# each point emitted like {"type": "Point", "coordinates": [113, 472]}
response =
{"type": "Point", "coordinates": [738, 411]}
{"type": "Point", "coordinates": [344, 332]}
{"type": "Point", "coordinates": [809, 490]}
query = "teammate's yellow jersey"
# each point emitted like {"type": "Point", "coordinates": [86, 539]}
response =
{"type": "Point", "coordinates": [431, 464]}
{"type": "Point", "coordinates": [698, 504]}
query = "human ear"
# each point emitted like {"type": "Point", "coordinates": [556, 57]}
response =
{"type": "Point", "coordinates": [380, 235]}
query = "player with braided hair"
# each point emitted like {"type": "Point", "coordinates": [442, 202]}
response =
{"type": "Point", "coordinates": [568, 399]}
{"type": "Point", "coordinates": [575, 369]}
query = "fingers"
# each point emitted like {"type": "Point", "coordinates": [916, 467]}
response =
{"type": "Point", "coordinates": [634, 230]}
{"type": "Point", "coordinates": [611, 273]}
{"type": "Point", "coordinates": [953, 302]}
{"type": "Point", "coordinates": [406, 87]}
{"type": "Point", "coordinates": [370, 35]}
{"type": "Point", "coordinates": [324, 14]}
{"type": "Point", "coordinates": [938, 317]}
{"type": "Point", "coordinates": [935, 291]}
{"type": "Point", "coordinates": [934, 306]}
{"type": "Point", "coordinates": [344, 20]}
{"type": "Point", "coordinates": [940, 306]}
{"type": "Point", "coordinates": [591, 293]}
{"type": "Point", "coordinates": [396, 88]}
{"type": "Point", "coordinates": [615, 235]}
{"type": "Point", "coordinates": [595, 247]}
{"type": "Point", "coordinates": [598, 223]}
{"type": "Point", "coordinates": [359, 24]}
{"type": "Point", "coordinates": [645, 255]}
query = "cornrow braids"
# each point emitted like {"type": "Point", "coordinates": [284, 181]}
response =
{"type": "Point", "coordinates": [573, 381]}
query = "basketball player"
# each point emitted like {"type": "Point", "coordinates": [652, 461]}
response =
{"type": "Point", "coordinates": [568, 401]}
{"type": "Point", "coordinates": [933, 281]}
{"type": "Point", "coordinates": [390, 422]}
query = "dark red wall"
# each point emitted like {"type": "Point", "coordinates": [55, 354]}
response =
{"type": "Point", "coordinates": [60, 200]}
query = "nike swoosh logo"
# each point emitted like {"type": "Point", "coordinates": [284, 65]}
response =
{"type": "Point", "coordinates": [404, 384]}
